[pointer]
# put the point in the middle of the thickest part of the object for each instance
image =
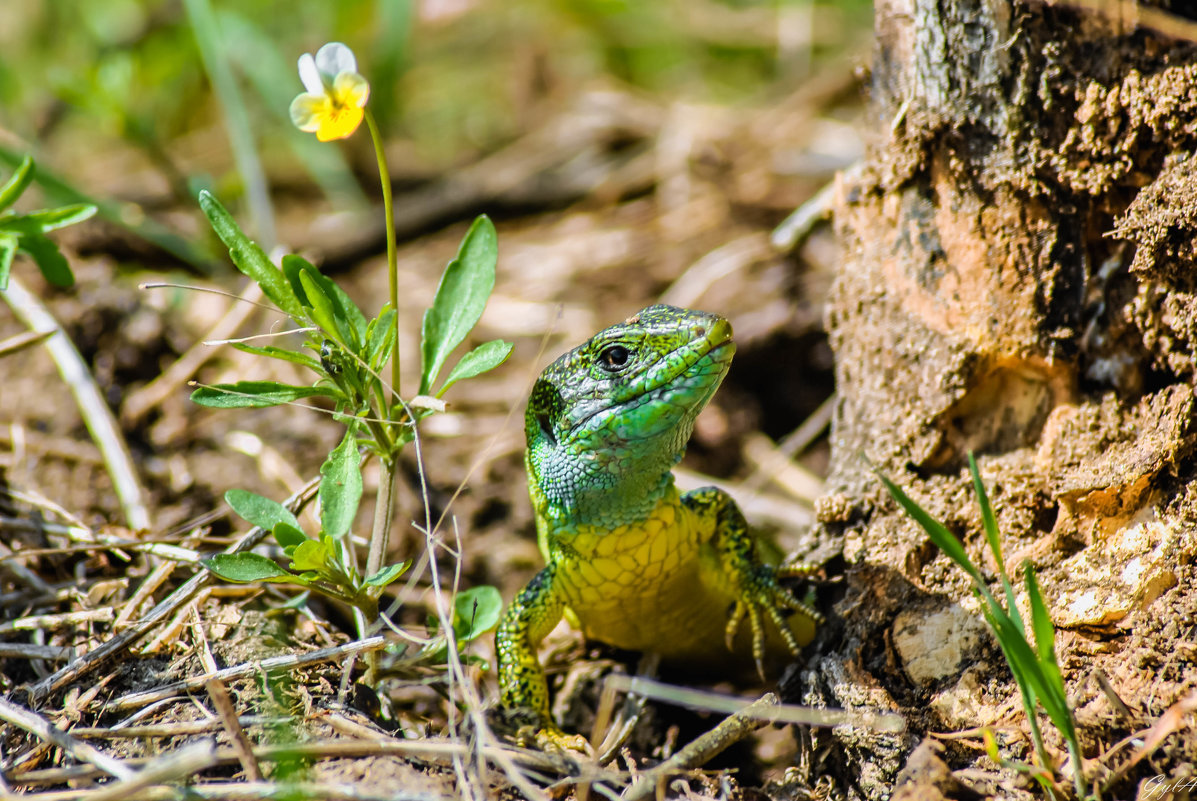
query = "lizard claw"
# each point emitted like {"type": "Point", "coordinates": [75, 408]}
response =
{"type": "Point", "coordinates": [761, 590]}
{"type": "Point", "coordinates": [733, 624]}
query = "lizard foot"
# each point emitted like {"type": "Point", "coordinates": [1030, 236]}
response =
{"type": "Point", "coordinates": [760, 591]}
{"type": "Point", "coordinates": [552, 740]}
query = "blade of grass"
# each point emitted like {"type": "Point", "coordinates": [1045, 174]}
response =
{"type": "Point", "coordinates": [989, 522]}
{"type": "Point", "coordinates": [1036, 670]}
{"type": "Point", "coordinates": [944, 539]}
{"type": "Point", "coordinates": [59, 192]}
{"type": "Point", "coordinates": [245, 153]}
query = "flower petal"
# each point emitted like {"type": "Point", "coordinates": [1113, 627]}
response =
{"type": "Point", "coordinates": [309, 110]}
{"type": "Point", "coordinates": [309, 75]}
{"type": "Point", "coordinates": [335, 58]}
{"type": "Point", "coordinates": [351, 89]}
{"type": "Point", "coordinates": [339, 123]}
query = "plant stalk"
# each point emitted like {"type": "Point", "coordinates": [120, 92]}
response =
{"type": "Point", "coordinates": [384, 506]}
{"type": "Point", "coordinates": [380, 537]}
{"type": "Point", "coordinates": [384, 176]}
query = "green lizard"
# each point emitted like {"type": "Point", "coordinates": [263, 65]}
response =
{"type": "Point", "coordinates": [630, 561]}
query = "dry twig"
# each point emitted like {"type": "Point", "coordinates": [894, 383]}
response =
{"type": "Point", "coordinates": [119, 643]}
{"type": "Point", "coordinates": [95, 412]}
{"type": "Point", "coordinates": [47, 732]}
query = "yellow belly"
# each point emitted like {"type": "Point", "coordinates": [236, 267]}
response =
{"type": "Point", "coordinates": [652, 586]}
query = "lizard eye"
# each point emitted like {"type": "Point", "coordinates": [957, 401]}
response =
{"type": "Point", "coordinates": [613, 358]}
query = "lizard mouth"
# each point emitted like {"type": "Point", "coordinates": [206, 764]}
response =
{"type": "Point", "coordinates": [713, 345]}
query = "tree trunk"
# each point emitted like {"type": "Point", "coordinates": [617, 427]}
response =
{"type": "Point", "coordinates": [1018, 279]}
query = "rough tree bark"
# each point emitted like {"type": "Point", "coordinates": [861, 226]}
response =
{"type": "Point", "coordinates": [1018, 279]}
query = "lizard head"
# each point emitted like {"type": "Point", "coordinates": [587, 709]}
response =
{"type": "Point", "coordinates": [615, 413]}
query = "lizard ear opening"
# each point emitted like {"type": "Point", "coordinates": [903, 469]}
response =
{"type": "Point", "coordinates": [546, 427]}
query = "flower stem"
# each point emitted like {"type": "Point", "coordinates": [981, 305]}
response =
{"type": "Point", "coordinates": [384, 175]}
{"type": "Point", "coordinates": [385, 503]}
{"type": "Point", "coordinates": [380, 536]}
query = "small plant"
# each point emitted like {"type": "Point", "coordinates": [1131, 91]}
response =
{"type": "Point", "coordinates": [1035, 668]}
{"type": "Point", "coordinates": [27, 232]}
{"type": "Point", "coordinates": [347, 351]}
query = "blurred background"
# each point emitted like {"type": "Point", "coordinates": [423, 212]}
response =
{"type": "Point", "coordinates": [629, 152]}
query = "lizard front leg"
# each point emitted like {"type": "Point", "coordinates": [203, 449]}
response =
{"type": "Point", "coordinates": [754, 585]}
{"type": "Point", "coordinates": [522, 683]}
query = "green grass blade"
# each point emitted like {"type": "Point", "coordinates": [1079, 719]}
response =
{"type": "Point", "coordinates": [988, 520]}
{"type": "Point", "coordinates": [59, 191]}
{"type": "Point", "coordinates": [1041, 622]}
{"type": "Point", "coordinates": [993, 537]}
{"type": "Point", "coordinates": [1045, 641]}
{"type": "Point", "coordinates": [212, 49]}
{"type": "Point", "coordinates": [1029, 672]}
{"type": "Point", "coordinates": [944, 539]}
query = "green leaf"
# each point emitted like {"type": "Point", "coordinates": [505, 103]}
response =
{"type": "Point", "coordinates": [53, 219]}
{"type": "Point", "coordinates": [17, 184]}
{"type": "Point", "coordinates": [287, 535]}
{"type": "Point", "coordinates": [486, 356]}
{"type": "Point", "coordinates": [293, 265]}
{"type": "Point", "coordinates": [245, 567]}
{"type": "Point", "coordinates": [341, 485]}
{"type": "Point", "coordinates": [464, 289]}
{"type": "Point", "coordinates": [340, 306]}
{"type": "Point", "coordinates": [256, 394]}
{"type": "Point", "coordinates": [324, 311]}
{"type": "Point", "coordinates": [49, 259]}
{"type": "Point", "coordinates": [258, 510]}
{"type": "Point", "coordinates": [346, 308]}
{"type": "Point", "coordinates": [272, 352]}
{"type": "Point", "coordinates": [476, 611]}
{"type": "Point", "coordinates": [249, 258]}
{"type": "Point", "coordinates": [380, 338]}
{"type": "Point", "coordinates": [388, 574]}
{"type": "Point", "coordinates": [313, 555]}
{"type": "Point", "coordinates": [8, 248]}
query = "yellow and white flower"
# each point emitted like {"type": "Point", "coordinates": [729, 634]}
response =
{"type": "Point", "coordinates": [335, 100]}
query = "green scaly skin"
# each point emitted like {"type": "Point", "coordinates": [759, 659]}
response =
{"type": "Point", "coordinates": [629, 560]}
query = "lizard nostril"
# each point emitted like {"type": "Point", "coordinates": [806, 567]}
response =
{"type": "Point", "coordinates": [700, 331]}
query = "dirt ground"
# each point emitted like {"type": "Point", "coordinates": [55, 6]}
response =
{"type": "Point", "coordinates": [676, 203]}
